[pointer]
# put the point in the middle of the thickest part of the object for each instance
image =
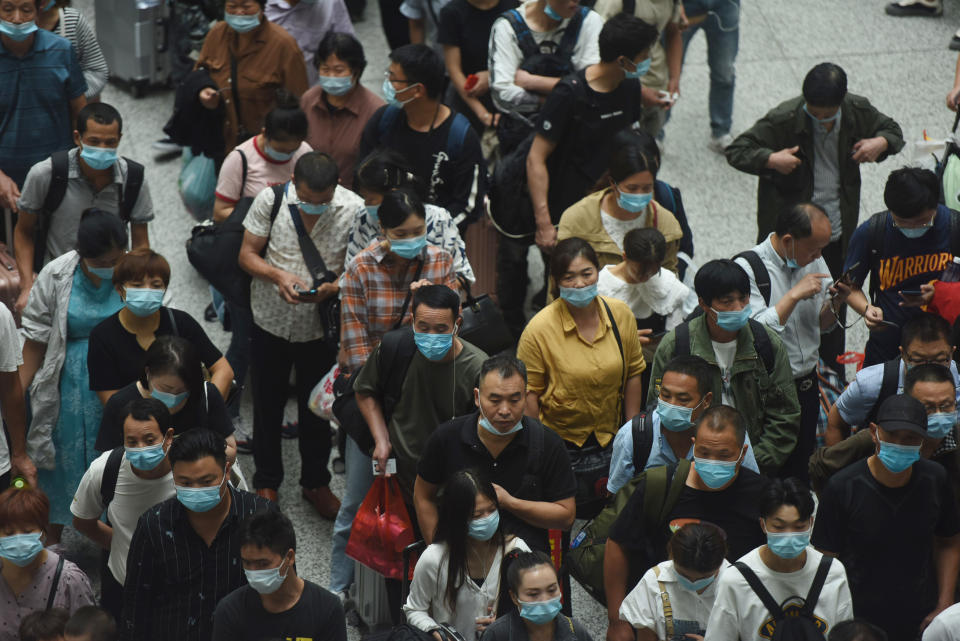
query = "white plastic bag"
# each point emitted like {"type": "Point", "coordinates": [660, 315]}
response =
{"type": "Point", "coordinates": [322, 396]}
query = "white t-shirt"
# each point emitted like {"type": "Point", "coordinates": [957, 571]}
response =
{"type": "Point", "coordinates": [739, 613]}
{"type": "Point", "coordinates": [11, 357]}
{"type": "Point", "coordinates": [946, 627]}
{"type": "Point", "coordinates": [132, 497]}
{"type": "Point", "coordinates": [643, 607]}
{"type": "Point", "coordinates": [663, 294]}
{"type": "Point", "coordinates": [726, 353]}
{"type": "Point", "coordinates": [617, 228]}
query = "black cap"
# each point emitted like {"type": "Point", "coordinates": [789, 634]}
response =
{"type": "Point", "coordinates": [902, 412]}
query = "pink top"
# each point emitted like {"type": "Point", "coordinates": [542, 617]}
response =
{"type": "Point", "coordinates": [262, 171]}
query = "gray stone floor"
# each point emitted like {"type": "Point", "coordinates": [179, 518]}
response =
{"type": "Point", "coordinates": [902, 65]}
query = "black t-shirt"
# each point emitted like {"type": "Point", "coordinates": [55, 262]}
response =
{"type": "Point", "coordinates": [455, 446]}
{"type": "Point", "coordinates": [210, 413]}
{"type": "Point", "coordinates": [465, 26]}
{"type": "Point", "coordinates": [735, 509]}
{"type": "Point", "coordinates": [317, 616]}
{"type": "Point", "coordinates": [115, 358]}
{"type": "Point", "coordinates": [884, 537]}
{"type": "Point", "coordinates": [582, 123]}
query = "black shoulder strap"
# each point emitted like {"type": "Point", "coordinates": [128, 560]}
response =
{"type": "Point", "coordinates": [397, 349]}
{"type": "Point", "coordinates": [311, 255]}
{"type": "Point", "coordinates": [58, 182]}
{"type": "Point", "coordinates": [111, 471]}
{"type": "Point", "coordinates": [131, 188]}
{"type": "Point", "coordinates": [535, 450]}
{"type": "Point", "coordinates": [888, 387]}
{"type": "Point", "coordinates": [642, 433]}
{"type": "Point", "coordinates": [277, 199]}
{"type": "Point", "coordinates": [570, 35]}
{"type": "Point", "coordinates": [56, 583]}
{"type": "Point", "coordinates": [243, 167]}
{"type": "Point", "coordinates": [760, 273]}
{"type": "Point", "coordinates": [877, 228]}
{"type": "Point", "coordinates": [821, 577]}
{"type": "Point", "coordinates": [406, 299]}
{"type": "Point", "coordinates": [528, 46]}
{"type": "Point", "coordinates": [768, 601]}
{"type": "Point", "coordinates": [681, 340]}
{"type": "Point", "coordinates": [623, 358]}
{"type": "Point", "coordinates": [173, 322]}
{"type": "Point", "coordinates": [763, 345]}
{"type": "Point", "coordinates": [387, 120]}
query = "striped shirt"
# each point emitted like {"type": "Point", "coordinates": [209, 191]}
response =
{"type": "Point", "coordinates": [74, 27]}
{"type": "Point", "coordinates": [372, 292]}
{"type": "Point", "coordinates": [174, 580]}
{"type": "Point", "coordinates": [826, 173]}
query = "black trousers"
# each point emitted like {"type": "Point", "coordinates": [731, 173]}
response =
{"type": "Point", "coordinates": [111, 590]}
{"type": "Point", "coordinates": [808, 393]}
{"type": "Point", "coordinates": [512, 282]}
{"type": "Point", "coordinates": [396, 27]}
{"type": "Point", "coordinates": [271, 361]}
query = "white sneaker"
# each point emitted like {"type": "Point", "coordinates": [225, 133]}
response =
{"type": "Point", "coordinates": [720, 143]}
{"type": "Point", "coordinates": [244, 437]}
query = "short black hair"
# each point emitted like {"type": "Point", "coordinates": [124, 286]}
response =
{"type": "Point", "coordinates": [99, 232]}
{"type": "Point", "coordinates": [825, 85]}
{"type": "Point", "coordinates": [344, 46]}
{"type": "Point", "coordinates": [505, 365]}
{"type": "Point", "coordinates": [723, 417]}
{"type": "Point", "coordinates": [198, 443]}
{"type": "Point", "coordinates": [634, 152]}
{"type": "Point", "coordinates": [101, 113]}
{"type": "Point", "coordinates": [791, 491]}
{"type": "Point", "coordinates": [399, 204]}
{"type": "Point", "coordinates": [268, 529]}
{"type": "Point", "coordinates": [525, 561]}
{"type": "Point", "coordinates": [176, 356]}
{"type": "Point", "coordinates": [798, 220]}
{"type": "Point", "coordinates": [384, 169]}
{"type": "Point", "coordinates": [700, 547]}
{"type": "Point", "coordinates": [625, 35]}
{"type": "Point", "coordinates": [286, 122]}
{"type": "Point", "coordinates": [927, 373]}
{"type": "Point", "coordinates": [317, 170]}
{"type": "Point", "coordinates": [437, 297]}
{"type": "Point", "coordinates": [421, 64]}
{"type": "Point", "coordinates": [911, 191]}
{"type": "Point", "coordinates": [146, 409]}
{"type": "Point", "coordinates": [720, 277]}
{"type": "Point", "coordinates": [645, 245]}
{"type": "Point", "coordinates": [695, 367]}
{"type": "Point", "coordinates": [856, 630]}
{"type": "Point", "coordinates": [91, 622]}
{"type": "Point", "coordinates": [926, 328]}
{"type": "Point", "coordinates": [568, 250]}
{"type": "Point", "coordinates": [43, 625]}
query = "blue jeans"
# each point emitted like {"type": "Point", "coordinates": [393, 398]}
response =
{"type": "Point", "coordinates": [359, 478]}
{"type": "Point", "coordinates": [722, 28]}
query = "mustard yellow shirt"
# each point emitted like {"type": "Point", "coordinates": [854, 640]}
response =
{"type": "Point", "coordinates": [580, 384]}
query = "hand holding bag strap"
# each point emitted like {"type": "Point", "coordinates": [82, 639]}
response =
{"type": "Point", "coordinates": [623, 359]}
{"type": "Point", "coordinates": [406, 300]}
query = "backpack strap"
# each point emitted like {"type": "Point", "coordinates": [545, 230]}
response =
{"type": "Point", "coordinates": [676, 481]}
{"type": "Point", "coordinates": [535, 450]}
{"type": "Point", "coordinates": [59, 175]}
{"type": "Point", "coordinates": [642, 432]}
{"type": "Point", "coordinates": [681, 340]}
{"type": "Point", "coordinates": [388, 119]}
{"type": "Point", "coordinates": [768, 601]}
{"type": "Point", "coordinates": [111, 471]}
{"type": "Point", "coordinates": [131, 188]}
{"type": "Point", "coordinates": [760, 273]}
{"type": "Point", "coordinates": [763, 345]}
{"type": "Point", "coordinates": [877, 227]}
{"type": "Point", "coordinates": [888, 387]}
{"type": "Point", "coordinates": [821, 577]}
{"type": "Point", "coordinates": [277, 199]}
{"type": "Point", "coordinates": [665, 597]}
{"type": "Point", "coordinates": [528, 46]}
{"type": "Point", "coordinates": [571, 34]}
{"type": "Point", "coordinates": [457, 135]}
{"type": "Point", "coordinates": [56, 583]}
{"type": "Point", "coordinates": [662, 487]}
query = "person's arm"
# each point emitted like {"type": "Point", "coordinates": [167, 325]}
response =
{"type": "Point", "coordinates": [633, 397]}
{"type": "Point", "coordinates": [425, 504]}
{"type": "Point", "coordinates": [425, 583]}
{"type": "Point", "coordinates": [673, 48]}
{"type": "Point", "coordinates": [372, 411]}
{"type": "Point", "coordinates": [222, 209]}
{"type": "Point", "coordinates": [90, 57]}
{"type": "Point", "coordinates": [837, 428]}
{"type": "Point", "coordinates": [139, 237]}
{"type": "Point", "coordinates": [616, 571]}
{"type": "Point", "coordinates": [23, 237]}
{"type": "Point", "coordinates": [954, 93]}
{"type": "Point", "coordinates": [95, 530]}
{"type": "Point", "coordinates": [504, 58]}
{"type": "Point", "coordinates": [418, 32]}
{"type": "Point", "coordinates": [946, 554]}
{"type": "Point", "coordinates": [221, 375]}
{"type": "Point", "coordinates": [556, 515]}
{"type": "Point", "coordinates": [872, 315]}
{"type": "Point", "coordinates": [451, 56]}
{"type": "Point", "coordinates": [9, 193]}
{"type": "Point", "coordinates": [538, 181]}
{"type": "Point", "coordinates": [884, 139]}
{"type": "Point", "coordinates": [254, 264]}
{"type": "Point", "coordinates": [762, 148]}
{"type": "Point", "coordinates": [76, 105]}
{"type": "Point", "coordinates": [780, 420]}
{"type": "Point", "coordinates": [532, 405]}
{"type": "Point", "coordinates": [14, 410]}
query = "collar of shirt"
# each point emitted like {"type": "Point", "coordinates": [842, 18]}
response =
{"type": "Point", "coordinates": [182, 520]}
{"type": "Point", "coordinates": [353, 103]}
{"type": "Point", "coordinates": [570, 325]}
{"type": "Point", "coordinates": [769, 255]}
{"type": "Point", "coordinates": [947, 445]}
{"type": "Point", "coordinates": [73, 167]}
{"type": "Point", "coordinates": [42, 41]}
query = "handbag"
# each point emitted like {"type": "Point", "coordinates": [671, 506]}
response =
{"type": "Point", "coordinates": [328, 308]}
{"type": "Point", "coordinates": [197, 184]}
{"type": "Point", "coordinates": [483, 324]}
{"type": "Point", "coordinates": [382, 529]}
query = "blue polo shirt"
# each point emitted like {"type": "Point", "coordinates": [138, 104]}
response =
{"type": "Point", "coordinates": [35, 95]}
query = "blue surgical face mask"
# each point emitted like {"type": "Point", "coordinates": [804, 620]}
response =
{"type": "Point", "coordinates": [485, 527]}
{"type": "Point", "coordinates": [266, 581]}
{"type": "Point", "coordinates": [634, 203]}
{"type": "Point", "coordinates": [733, 321]}
{"type": "Point", "coordinates": [99, 158]}
{"type": "Point", "coordinates": [898, 458]}
{"type": "Point", "coordinates": [143, 301]}
{"type": "Point", "coordinates": [642, 68]}
{"type": "Point", "coordinates": [826, 121]}
{"type": "Point", "coordinates": [390, 94]}
{"type": "Point", "coordinates": [914, 232]}
{"type": "Point", "coordinates": [273, 154]}
{"type": "Point", "coordinates": [551, 13]}
{"type": "Point", "coordinates": [408, 247]}
{"type": "Point", "coordinates": [372, 213]}
{"type": "Point", "coordinates": [792, 262]}
{"type": "Point", "coordinates": [48, 6]}
{"type": "Point", "coordinates": [940, 424]}
{"type": "Point", "coordinates": [103, 273]}
{"type": "Point", "coordinates": [433, 346]}
{"type": "Point", "coordinates": [788, 545]}
{"type": "Point", "coordinates": [242, 24]}
{"type": "Point", "coordinates": [540, 612]}
{"type": "Point", "coordinates": [21, 549]}
{"type": "Point", "coordinates": [313, 209]}
{"type": "Point", "coordinates": [200, 499]}
{"type": "Point", "coordinates": [168, 399]}
{"type": "Point", "coordinates": [694, 586]}
{"type": "Point", "coordinates": [18, 32]}
{"type": "Point", "coordinates": [146, 458]}
{"type": "Point", "coordinates": [675, 418]}
{"type": "Point", "coordinates": [487, 425]}
{"type": "Point", "coordinates": [335, 85]}
{"type": "Point", "coordinates": [579, 296]}
{"type": "Point", "coordinates": [715, 474]}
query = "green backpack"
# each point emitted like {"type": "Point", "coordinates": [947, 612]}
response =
{"type": "Point", "coordinates": [661, 490]}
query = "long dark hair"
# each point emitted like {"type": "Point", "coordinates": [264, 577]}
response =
{"type": "Point", "coordinates": [177, 356]}
{"type": "Point", "coordinates": [454, 514]}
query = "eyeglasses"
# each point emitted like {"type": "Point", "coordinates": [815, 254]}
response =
{"type": "Point", "coordinates": [386, 74]}
{"type": "Point", "coordinates": [939, 359]}
{"type": "Point", "coordinates": [925, 225]}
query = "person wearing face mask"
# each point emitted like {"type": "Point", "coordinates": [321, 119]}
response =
{"type": "Point", "coordinates": [903, 250]}
{"type": "Point", "coordinates": [789, 570]}
{"type": "Point", "coordinates": [535, 592]}
{"type": "Point", "coordinates": [674, 598]}
{"type": "Point", "coordinates": [198, 529]}
{"type": "Point", "coordinates": [685, 394]}
{"type": "Point", "coordinates": [265, 57]}
{"type": "Point", "coordinates": [584, 361]}
{"type": "Point", "coordinates": [71, 296]}
{"type": "Point", "coordinates": [338, 106]}
{"type": "Point", "coordinates": [95, 177]}
{"type": "Point", "coordinates": [276, 597]}
{"type": "Point", "coordinates": [903, 514]}
{"type": "Point", "coordinates": [751, 367]}
{"type": "Point", "coordinates": [457, 578]}
{"type": "Point", "coordinates": [527, 463]}
{"type": "Point", "coordinates": [309, 22]}
{"type": "Point", "coordinates": [141, 478]}
{"type": "Point", "coordinates": [800, 304]}
{"type": "Point", "coordinates": [119, 343]}
{"type": "Point", "coordinates": [32, 576]}
{"type": "Point", "coordinates": [70, 23]}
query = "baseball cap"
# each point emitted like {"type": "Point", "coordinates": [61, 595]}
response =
{"type": "Point", "coordinates": [902, 412]}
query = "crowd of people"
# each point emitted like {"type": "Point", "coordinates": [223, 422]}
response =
{"type": "Point", "coordinates": [677, 409]}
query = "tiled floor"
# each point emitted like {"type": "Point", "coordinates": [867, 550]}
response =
{"type": "Point", "coordinates": [901, 64]}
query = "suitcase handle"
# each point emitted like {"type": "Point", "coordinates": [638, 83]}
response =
{"type": "Point", "coordinates": [163, 34]}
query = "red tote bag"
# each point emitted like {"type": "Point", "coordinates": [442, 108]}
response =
{"type": "Point", "coordinates": [382, 529]}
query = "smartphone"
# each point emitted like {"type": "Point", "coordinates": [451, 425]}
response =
{"type": "Point", "coordinates": [659, 334]}
{"type": "Point", "coordinates": [304, 292]}
{"type": "Point", "coordinates": [911, 292]}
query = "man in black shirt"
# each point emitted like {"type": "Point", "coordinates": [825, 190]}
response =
{"type": "Point", "coordinates": [892, 520]}
{"type": "Point", "coordinates": [527, 463]}
{"type": "Point", "coordinates": [437, 141]}
{"type": "Point", "coordinates": [718, 489]}
{"type": "Point", "coordinates": [183, 554]}
{"type": "Point", "coordinates": [276, 602]}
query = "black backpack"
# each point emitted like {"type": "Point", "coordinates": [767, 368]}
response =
{"type": "Point", "coordinates": [802, 626]}
{"type": "Point", "coordinates": [760, 275]}
{"type": "Point", "coordinates": [642, 431]}
{"type": "Point", "coordinates": [888, 387]}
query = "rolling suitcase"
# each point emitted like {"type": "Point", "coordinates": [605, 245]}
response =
{"type": "Point", "coordinates": [134, 37]}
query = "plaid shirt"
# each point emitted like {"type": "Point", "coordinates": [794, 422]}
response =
{"type": "Point", "coordinates": [372, 292]}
